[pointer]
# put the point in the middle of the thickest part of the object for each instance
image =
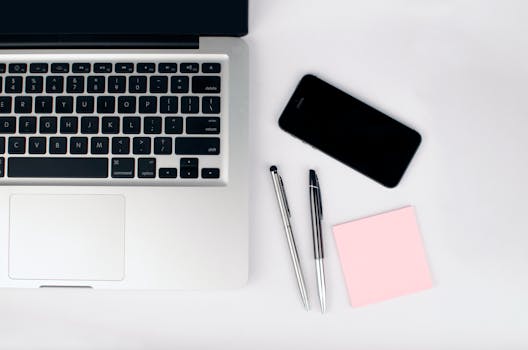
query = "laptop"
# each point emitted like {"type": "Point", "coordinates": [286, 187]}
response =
{"type": "Point", "coordinates": [124, 144]}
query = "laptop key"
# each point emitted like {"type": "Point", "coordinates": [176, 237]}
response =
{"type": "Point", "coordinates": [2, 161]}
{"type": "Point", "coordinates": [68, 125]}
{"type": "Point", "coordinates": [13, 85]}
{"type": "Point", "coordinates": [110, 125]}
{"type": "Point", "coordinates": [162, 145]}
{"type": "Point", "coordinates": [190, 104]}
{"type": "Point", "coordinates": [211, 67]}
{"type": "Point", "coordinates": [124, 67]}
{"type": "Point", "coordinates": [2, 68]}
{"type": "Point", "coordinates": [103, 67]}
{"type": "Point", "coordinates": [116, 84]}
{"type": "Point", "coordinates": [179, 85]}
{"type": "Point", "coordinates": [126, 104]}
{"type": "Point", "coordinates": [34, 84]}
{"type": "Point", "coordinates": [27, 125]}
{"type": "Point", "coordinates": [141, 145]}
{"type": "Point", "coordinates": [169, 104]}
{"type": "Point", "coordinates": [75, 84]}
{"type": "Point", "coordinates": [202, 125]}
{"type": "Point", "coordinates": [38, 68]}
{"type": "Point", "coordinates": [79, 145]}
{"type": "Point", "coordinates": [206, 85]}
{"type": "Point", "coordinates": [16, 145]}
{"type": "Point", "coordinates": [23, 104]}
{"type": "Point", "coordinates": [173, 125]}
{"type": "Point", "coordinates": [122, 167]}
{"type": "Point", "coordinates": [168, 67]}
{"type": "Point", "coordinates": [17, 68]}
{"type": "Point", "coordinates": [131, 125]}
{"type": "Point", "coordinates": [85, 104]}
{"type": "Point", "coordinates": [60, 67]}
{"type": "Point", "coordinates": [96, 84]}
{"type": "Point", "coordinates": [57, 145]}
{"type": "Point", "coordinates": [189, 68]}
{"type": "Point", "coordinates": [120, 145]}
{"type": "Point", "coordinates": [54, 84]}
{"type": "Point", "coordinates": [64, 104]}
{"type": "Point", "coordinates": [189, 168]}
{"type": "Point", "coordinates": [197, 145]}
{"type": "Point", "coordinates": [7, 125]}
{"type": "Point", "coordinates": [159, 84]}
{"type": "Point", "coordinates": [146, 67]}
{"type": "Point", "coordinates": [81, 68]}
{"type": "Point", "coordinates": [56, 167]}
{"type": "Point", "coordinates": [137, 84]}
{"type": "Point", "coordinates": [167, 173]}
{"type": "Point", "coordinates": [99, 145]}
{"type": "Point", "coordinates": [152, 125]}
{"type": "Point", "coordinates": [5, 104]}
{"type": "Point", "coordinates": [43, 104]}
{"type": "Point", "coordinates": [146, 168]}
{"type": "Point", "coordinates": [37, 145]}
{"type": "Point", "coordinates": [106, 104]}
{"type": "Point", "coordinates": [48, 125]}
{"type": "Point", "coordinates": [211, 105]}
{"type": "Point", "coordinates": [210, 173]}
{"type": "Point", "coordinates": [2, 145]}
{"type": "Point", "coordinates": [148, 104]}
{"type": "Point", "coordinates": [89, 125]}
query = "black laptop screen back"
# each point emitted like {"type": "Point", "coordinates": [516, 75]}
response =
{"type": "Point", "coordinates": [124, 18]}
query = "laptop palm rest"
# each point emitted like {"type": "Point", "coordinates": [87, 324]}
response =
{"type": "Point", "coordinates": [67, 237]}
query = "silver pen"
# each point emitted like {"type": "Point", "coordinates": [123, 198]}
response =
{"type": "Point", "coordinates": [285, 214]}
{"type": "Point", "coordinates": [316, 209]}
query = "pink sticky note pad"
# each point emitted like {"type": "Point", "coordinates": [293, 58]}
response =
{"type": "Point", "coordinates": [382, 257]}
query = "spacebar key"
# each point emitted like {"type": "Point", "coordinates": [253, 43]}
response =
{"type": "Point", "coordinates": [57, 167]}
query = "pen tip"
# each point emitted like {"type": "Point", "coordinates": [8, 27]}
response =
{"type": "Point", "coordinates": [273, 168]}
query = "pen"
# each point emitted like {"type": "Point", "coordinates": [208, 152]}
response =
{"type": "Point", "coordinates": [285, 214]}
{"type": "Point", "coordinates": [316, 209]}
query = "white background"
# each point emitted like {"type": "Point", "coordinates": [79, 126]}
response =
{"type": "Point", "coordinates": [457, 71]}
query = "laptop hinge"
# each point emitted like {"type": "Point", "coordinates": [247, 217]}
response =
{"type": "Point", "coordinates": [88, 41]}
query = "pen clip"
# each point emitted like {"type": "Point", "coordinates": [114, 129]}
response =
{"type": "Point", "coordinates": [283, 194]}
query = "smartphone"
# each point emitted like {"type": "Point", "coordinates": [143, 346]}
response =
{"type": "Point", "coordinates": [350, 131]}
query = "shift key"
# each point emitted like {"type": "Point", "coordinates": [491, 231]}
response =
{"type": "Point", "coordinates": [197, 145]}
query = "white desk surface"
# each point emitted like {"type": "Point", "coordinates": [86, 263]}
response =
{"type": "Point", "coordinates": [457, 71]}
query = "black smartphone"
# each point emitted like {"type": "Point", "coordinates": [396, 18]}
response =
{"type": "Point", "coordinates": [350, 131]}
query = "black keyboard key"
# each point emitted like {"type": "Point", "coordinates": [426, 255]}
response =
{"type": "Point", "coordinates": [131, 125]}
{"type": "Point", "coordinates": [69, 125]}
{"type": "Point", "coordinates": [159, 84]}
{"type": "Point", "coordinates": [162, 145]}
{"type": "Point", "coordinates": [16, 145]}
{"type": "Point", "coordinates": [146, 168]}
{"type": "Point", "coordinates": [81, 68]}
{"type": "Point", "coordinates": [167, 67]}
{"type": "Point", "coordinates": [64, 104]}
{"type": "Point", "coordinates": [2, 67]}
{"type": "Point", "coordinates": [58, 167]}
{"type": "Point", "coordinates": [48, 125]}
{"type": "Point", "coordinates": [116, 84]}
{"type": "Point", "coordinates": [197, 145]}
{"type": "Point", "coordinates": [189, 168]}
{"type": "Point", "coordinates": [146, 67]}
{"type": "Point", "coordinates": [103, 67]}
{"type": "Point", "coordinates": [168, 173]}
{"type": "Point", "coordinates": [13, 85]}
{"type": "Point", "coordinates": [79, 145]}
{"type": "Point", "coordinates": [37, 145]}
{"type": "Point", "coordinates": [189, 68]}
{"type": "Point", "coordinates": [43, 104]}
{"type": "Point", "coordinates": [206, 85]}
{"type": "Point", "coordinates": [141, 145]}
{"type": "Point", "coordinates": [96, 84]}
{"type": "Point", "coordinates": [124, 67]}
{"type": "Point", "coordinates": [5, 104]}
{"type": "Point", "coordinates": [1, 83]}
{"type": "Point", "coordinates": [173, 125]}
{"type": "Point", "coordinates": [99, 145]}
{"type": "Point", "coordinates": [210, 105]}
{"type": "Point", "coordinates": [126, 104]}
{"type": "Point", "coordinates": [137, 84]}
{"type": "Point", "coordinates": [210, 173]}
{"type": "Point", "coordinates": [85, 104]}
{"type": "Point", "coordinates": [60, 67]}
{"type": "Point", "coordinates": [190, 104]}
{"type": "Point", "coordinates": [211, 67]}
{"type": "Point", "coordinates": [23, 104]}
{"type": "Point", "coordinates": [110, 125]}
{"type": "Point", "coordinates": [27, 125]}
{"type": "Point", "coordinates": [152, 125]}
{"type": "Point", "coordinates": [57, 145]}
{"type": "Point", "coordinates": [89, 125]}
{"type": "Point", "coordinates": [2, 145]}
{"type": "Point", "coordinates": [75, 84]}
{"type": "Point", "coordinates": [120, 145]}
{"type": "Point", "coordinates": [38, 68]}
{"type": "Point", "coordinates": [122, 167]}
{"type": "Point", "coordinates": [106, 104]}
{"type": "Point", "coordinates": [7, 125]}
{"type": "Point", "coordinates": [169, 104]}
{"type": "Point", "coordinates": [54, 84]}
{"type": "Point", "coordinates": [148, 104]}
{"type": "Point", "coordinates": [180, 85]}
{"type": "Point", "coordinates": [34, 84]}
{"type": "Point", "coordinates": [202, 125]}
{"type": "Point", "coordinates": [2, 166]}
{"type": "Point", "coordinates": [18, 68]}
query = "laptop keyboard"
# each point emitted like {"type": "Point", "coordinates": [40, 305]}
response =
{"type": "Point", "coordinates": [114, 122]}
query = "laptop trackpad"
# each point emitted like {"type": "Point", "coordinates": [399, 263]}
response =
{"type": "Point", "coordinates": [67, 237]}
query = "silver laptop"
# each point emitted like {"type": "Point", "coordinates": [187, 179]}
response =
{"type": "Point", "coordinates": [124, 145]}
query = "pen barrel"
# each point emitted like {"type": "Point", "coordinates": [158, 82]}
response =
{"type": "Point", "coordinates": [315, 212]}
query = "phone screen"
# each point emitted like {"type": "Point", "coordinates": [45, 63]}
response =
{"type": "Point", "coordinates": [350, 131]}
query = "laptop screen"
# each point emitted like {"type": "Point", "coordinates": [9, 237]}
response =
{"type": "Point", "coordinates": [124, 18]}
